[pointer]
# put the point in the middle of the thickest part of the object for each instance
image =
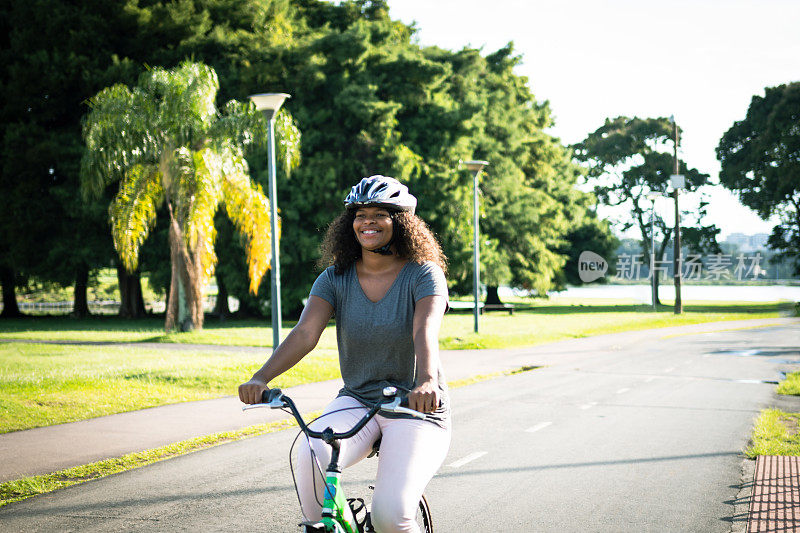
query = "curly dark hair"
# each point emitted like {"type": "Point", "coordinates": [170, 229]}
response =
{"type": "Point", "coordinates": [412, 237]}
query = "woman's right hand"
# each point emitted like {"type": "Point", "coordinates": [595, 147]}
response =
{"type": "Point", "coordinates": [251, 391]}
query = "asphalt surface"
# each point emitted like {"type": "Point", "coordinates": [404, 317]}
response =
{"type": "Point", "coordinates": [633, 440]}
{"type": "Point", "coordinates": [640, 431]}
{"type": "Point", "coordinates": [49, 449]}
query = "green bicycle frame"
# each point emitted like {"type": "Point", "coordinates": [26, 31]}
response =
{"type": "Point", "coordinates": [336, 513]}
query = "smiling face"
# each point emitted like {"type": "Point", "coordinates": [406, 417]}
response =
{"type": "Point", "coordinates": [373, 227]}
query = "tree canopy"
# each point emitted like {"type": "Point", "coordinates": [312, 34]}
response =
{"type": "Point", "coordinates": [368, 98]}
{"type": "Point", "coordinates": [49, 233]}
{"type": "Point", "coordinates": [628, 160]}
{"type": "Point", "coordinates": [760, 161]}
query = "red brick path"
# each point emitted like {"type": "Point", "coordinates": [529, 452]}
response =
{"type": "Point", "coordinates": [775, 504]}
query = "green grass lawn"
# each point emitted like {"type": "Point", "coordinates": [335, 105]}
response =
{"type": "Point", "coordinates": [248, 332]}
{"type": "Point", "coordinates": [44, 384]}
{"type": "Point", "coordinates": [791, 385]}
{"type": "Point", "coordinates": [775, 433]}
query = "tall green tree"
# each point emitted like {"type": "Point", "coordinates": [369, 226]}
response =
{"type": "Point", "coordinates": [48, 75]}
{"type": "Point", "coordinates": [253, 46]}
{"type": "Point", "coordinates": [760, 160]}
{"type": "Point", "coordinates": [529, 203]}
{"type": "Point", "coordinates": [48, 234]}
{"type": "Point", "coordinates": [532, 202]}
{"type": "Point", "coordinates": [166, 143]}
{"type": "Point", "coordinates": [628, 159]}
{"type": "Point", "coordinates": [351, 81]}
{"type": "Point", "coordinates": [588, 234]}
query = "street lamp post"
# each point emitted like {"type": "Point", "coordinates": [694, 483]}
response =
{"type": "Point", "coordinates": [475, 167]}
{"type": "Point", "coordinates": [678, 182]}
{"type": "Point", "coordinates": [269, 104]}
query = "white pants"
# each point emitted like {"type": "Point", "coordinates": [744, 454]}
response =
{"type": "Point", "coordinates": [411, 452]}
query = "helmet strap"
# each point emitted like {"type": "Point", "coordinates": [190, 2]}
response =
{"type": "Point", "coordinates": [385, 249]}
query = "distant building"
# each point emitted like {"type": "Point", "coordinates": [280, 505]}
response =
{"type": "Point", "coordinates": [748, 243]}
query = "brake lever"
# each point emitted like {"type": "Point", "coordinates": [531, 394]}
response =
{"type": "Point", "coordinates": [255, 406]}
{"type": "Point", "coordinates": [394, 407]}
{"type": "Point", "coordinates": [276, 403]}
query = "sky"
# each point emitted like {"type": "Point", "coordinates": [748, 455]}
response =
{"type": "Point", "coordinates": [701, 61]}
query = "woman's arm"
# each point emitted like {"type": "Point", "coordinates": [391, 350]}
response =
{"type": "Point", "coordinates": [428, 315]}
{"type": "Point", "coordinates": [301, 340]}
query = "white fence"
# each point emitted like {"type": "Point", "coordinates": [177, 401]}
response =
{"type": "Point", "coordinates": [107, 307]}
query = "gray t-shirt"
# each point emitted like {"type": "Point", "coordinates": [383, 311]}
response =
{"type": "Point", "coordinates": [376, 345]}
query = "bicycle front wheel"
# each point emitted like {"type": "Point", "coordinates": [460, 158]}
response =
{"type": "Point", "coordinates": [424, 516]}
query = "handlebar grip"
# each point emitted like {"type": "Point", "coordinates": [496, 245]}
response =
{"type": "Point", "coordinates": [269, 394]}
{"type": "Point", "coordinates": [404, 402]}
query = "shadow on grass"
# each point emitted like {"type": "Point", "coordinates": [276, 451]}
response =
{"type": "Point", "coordinates": [68, 323]}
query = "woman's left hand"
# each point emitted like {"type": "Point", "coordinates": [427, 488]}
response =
{"type": "Point", "coordinates": [425, 397]}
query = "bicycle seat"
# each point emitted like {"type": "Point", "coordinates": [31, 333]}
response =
{"type": "Point", "coordinates": [376, 447]}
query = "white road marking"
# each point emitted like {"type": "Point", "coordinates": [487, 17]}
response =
{"type": "Point", "coordinates": [623, 391]}
{"type": "Point", "coordinates": [468, 459]}
{"type": "Point", "coordinates": [537, 427]}
{"type": "Point", "coordinates": [650, 379]}
{"type": "Point", "coordinates": [670, 369]}
{"type": "Point", "coordinates": [588, 405]}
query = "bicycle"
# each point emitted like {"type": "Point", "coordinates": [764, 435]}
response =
{"type": "Point", "coordinates": [339, 514]}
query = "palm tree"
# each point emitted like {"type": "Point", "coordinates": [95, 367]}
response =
{"type": "Point", "coordinates": [167, 144]}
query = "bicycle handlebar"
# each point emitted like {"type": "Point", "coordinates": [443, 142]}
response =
{"type": "Point", "coordinates": [275, 399]}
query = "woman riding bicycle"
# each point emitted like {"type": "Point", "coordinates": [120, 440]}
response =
{"type": "Point", "coordinates": [386, 288]}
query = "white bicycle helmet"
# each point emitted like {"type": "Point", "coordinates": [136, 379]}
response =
{"type": "Point", "coordinates": [381, 191]}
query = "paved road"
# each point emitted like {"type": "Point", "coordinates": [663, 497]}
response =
{"type": "Point", "coordinates": [644, 435]}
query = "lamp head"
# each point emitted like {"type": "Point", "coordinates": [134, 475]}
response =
{"type": "Point", "coordinates": [474, 166]}
{"type": "Point", "coordinates": [269, 103]}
